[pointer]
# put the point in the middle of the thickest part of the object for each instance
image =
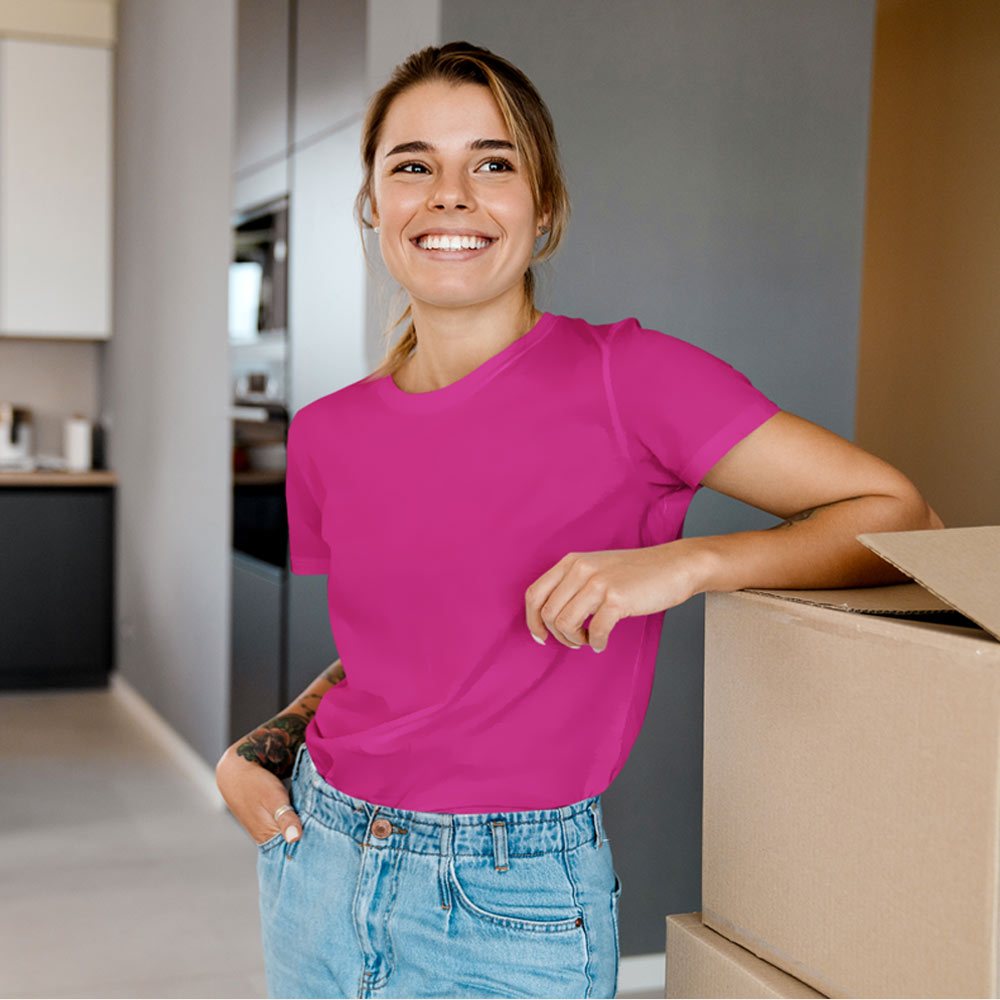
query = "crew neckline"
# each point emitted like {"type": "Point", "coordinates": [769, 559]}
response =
{"type": "Point", "coordinates": [468, 384]}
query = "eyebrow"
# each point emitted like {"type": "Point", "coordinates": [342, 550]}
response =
{"type": "Point", "coordinates": [419, 146]}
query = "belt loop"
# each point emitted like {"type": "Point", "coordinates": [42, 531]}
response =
{"type": "Point", "coordinates": [444, 891]}
{"type": "Point", "coordinates": [598, 827]}
{"type": "Point", "coordinates": [499, 829]}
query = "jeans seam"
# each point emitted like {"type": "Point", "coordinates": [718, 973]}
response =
{"type": "Point", "coordinates": [389, 956]}
{"type": "Point", "coordinates": [568, 868]}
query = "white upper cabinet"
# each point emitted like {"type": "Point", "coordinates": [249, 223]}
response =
{"type": "Point", "coordinates": [55, 189]}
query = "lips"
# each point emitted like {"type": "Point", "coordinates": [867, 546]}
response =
{"type": "Point", "coordinates": [453, 242]}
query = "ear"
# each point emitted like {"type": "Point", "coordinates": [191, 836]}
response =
{"type": "Point", "coordinates": [374, 212]}
{"type": "Point", "coordinates": [544, 223]}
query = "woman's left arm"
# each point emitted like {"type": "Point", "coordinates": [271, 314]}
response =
{"type": "Point", "coordinates": [825, 489]}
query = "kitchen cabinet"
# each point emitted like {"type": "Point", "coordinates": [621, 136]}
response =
{"type": "Point", "coordinates": [55, 189]}
{"type": "Point", "coordinates": [281, 639]}
{"type": "Point", "coordinates": [260, 156]}
{"type": "Point", "coordinates": [330, 47]}
{"type": "Point", "coordinates": [56, 585]}
{"type": "Point", "coordinates": [256, 679]}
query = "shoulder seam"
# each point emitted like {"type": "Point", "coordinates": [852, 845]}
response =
{"type": "Point", "coordinates": [609, 392]}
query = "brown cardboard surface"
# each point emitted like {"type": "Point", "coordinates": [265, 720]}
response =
{"type": "Point", "coordinates": [851, 799]}
{"type": "Point", "coordinates": [900, 598]}
{"type": "Point", "coordinates": [959, 565]}
{"type": "Point", "coordinates": [701, 963]}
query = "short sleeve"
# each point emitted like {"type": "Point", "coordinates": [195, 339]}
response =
{"type": "Point", "coordinates": [681, 408]}
{"type": "Point", "coordinates": [304, 495]}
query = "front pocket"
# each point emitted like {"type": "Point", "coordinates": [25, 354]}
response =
{"type": "Point", "coordinates": [522, 898]}
{"type": "Point", "coordinates": [278, 839]}
{"type": "Point", "coordinates": [271, 842]}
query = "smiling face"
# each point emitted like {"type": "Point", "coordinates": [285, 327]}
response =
{"type": "Point", "coordinates": [451, 198]}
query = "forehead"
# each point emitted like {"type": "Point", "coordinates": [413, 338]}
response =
{"type": "Point", "coordinates": [442, 114]}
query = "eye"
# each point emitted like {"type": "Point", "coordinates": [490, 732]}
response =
{"type": "Point", "coordinates": [496, 165]}
{"type": "Point", "coordinates": [411, 167]}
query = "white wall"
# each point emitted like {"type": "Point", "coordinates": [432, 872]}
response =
{"type": "Point", "coordinates": [165, 378]}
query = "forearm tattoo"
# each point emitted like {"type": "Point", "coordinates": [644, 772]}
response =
{"type": "Point", "coordinates": [805, 515]}
{"type": "Point", "coordinates": [275, 743]}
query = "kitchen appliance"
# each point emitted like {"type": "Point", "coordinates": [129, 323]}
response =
{"type": "Point", "coordinates": [258, 274]}
{"type": "Point", "coordinates": [77, 443]}
{"type": "Point", "coordinates": [258, 378]}
{"type": "Point", "coordinates": [16, 437]}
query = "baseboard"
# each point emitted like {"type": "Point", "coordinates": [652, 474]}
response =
{"type": "Point", "coordinates": [181, 752]}
{"type": "Point", "coordinates": [642, 973]}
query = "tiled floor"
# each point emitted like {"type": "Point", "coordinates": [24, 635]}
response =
{"type": "Point", "coordinates": [118, 878]}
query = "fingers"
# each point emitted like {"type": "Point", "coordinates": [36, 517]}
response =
{"type": "Point", "coordinates": [559, 602]}
{"type": "Point", "coordinates": [281, 818]}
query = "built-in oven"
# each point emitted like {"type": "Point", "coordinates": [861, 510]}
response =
{"type": "Point", "coordinates": [258, 373]}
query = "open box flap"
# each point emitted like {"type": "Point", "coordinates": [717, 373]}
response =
{"type": "Point", "coordinates": [898, 599]}
{"type": "Point", "coordinates": [959, 565]}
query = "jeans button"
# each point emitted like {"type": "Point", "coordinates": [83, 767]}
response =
{"type": "Point", "coordinates": [381, 828]}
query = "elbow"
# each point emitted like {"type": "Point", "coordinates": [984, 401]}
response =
{"type": "Point", "coordinates": [915, 512]}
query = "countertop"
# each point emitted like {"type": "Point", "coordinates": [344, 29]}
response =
{"type": "Point", "coordinates": [258, 477]}
{"type": "Point", "coordinates": [96, 477]}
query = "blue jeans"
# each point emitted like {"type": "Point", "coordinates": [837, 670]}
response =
{"type": "Point", "coordinates": [379, 902]}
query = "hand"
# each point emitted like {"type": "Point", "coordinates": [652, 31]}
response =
{"type": "Point", "coordinates": [610, 585]}
{"type": "Point", "coordinates": [253, 794]}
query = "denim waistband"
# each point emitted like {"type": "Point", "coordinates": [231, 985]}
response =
{"type": "Point", "coordinates": [500, 834]}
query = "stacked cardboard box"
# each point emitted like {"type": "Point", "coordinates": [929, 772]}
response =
{"type": "Point", "coordinates": [852, 775]}
{"type": "Point", "coordinates": [701, 963]}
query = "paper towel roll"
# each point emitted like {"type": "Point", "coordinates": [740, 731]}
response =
{"type": "Point", "coordinates": [76, 444]}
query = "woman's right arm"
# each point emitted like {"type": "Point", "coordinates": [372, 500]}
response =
{"type": "Point", "coordinates": [249, 774]}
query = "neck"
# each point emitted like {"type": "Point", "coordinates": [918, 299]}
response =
{"type": "Point", "coordinates": [451, 342]}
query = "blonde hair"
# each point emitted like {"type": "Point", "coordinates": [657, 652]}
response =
{"type": "Point", "coordinates": [529, 123]}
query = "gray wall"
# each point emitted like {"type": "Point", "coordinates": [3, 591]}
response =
{"type": "Point", "coordinates": [715, 151]}
{"type": "Point", "coordinates": [165, 370]}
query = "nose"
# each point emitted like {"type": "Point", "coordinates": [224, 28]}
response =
{"type": "Point", "coordinates": [452, 191]}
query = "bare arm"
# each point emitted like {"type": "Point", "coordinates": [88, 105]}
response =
{"type": "Point", "coordinates": [827, 491]}
{"type": "Point", "coordinates": [274, 743]}
{"type": "Point", "coordinates": [249, 773]}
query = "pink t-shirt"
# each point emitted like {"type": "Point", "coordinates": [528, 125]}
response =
{"type": "Point", "coordinates": [433, 512]}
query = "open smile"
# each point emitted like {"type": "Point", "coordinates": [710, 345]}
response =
{"type": "Point", "coordinates": [452, 242]}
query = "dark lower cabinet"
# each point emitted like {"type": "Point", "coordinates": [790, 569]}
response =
{"type": "Point", "coordinates": [258, 649]}
{"type": "Point", "coordinates": [281, 640]}
{"type": "Point", "coordinates": [56, 586]}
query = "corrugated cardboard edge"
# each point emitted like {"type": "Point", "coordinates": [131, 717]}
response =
{"type": "Point", "coordinates": [771, 980]}
{"type": "Point", "coordinates": [961, 566]}
{"type": "Point", "coordinates": [791, 967]}
{"type": "Point", "coordinates": [896, 599]}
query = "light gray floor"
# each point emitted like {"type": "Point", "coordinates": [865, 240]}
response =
{"type": "Point", "coordinates": [117, 877]}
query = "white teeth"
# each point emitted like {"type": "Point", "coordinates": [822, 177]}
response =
{"type": "Point", "coordinates": [439, 241]}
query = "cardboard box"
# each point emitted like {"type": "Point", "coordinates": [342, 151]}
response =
{"type": "Point", "coordinates": [852, 775]}
{"type": "Point", "coordinates": [701, 963]}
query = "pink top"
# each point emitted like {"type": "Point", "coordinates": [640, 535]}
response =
{"type": "Point", "coordinates": [433, 512]}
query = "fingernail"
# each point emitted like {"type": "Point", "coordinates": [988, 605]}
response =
{"type": "Point", "coordinates": [571, 646]}
{"type": "Point", "coordinates": [541, 642]}
{"type": "Point", "coordinates": [291, 833]}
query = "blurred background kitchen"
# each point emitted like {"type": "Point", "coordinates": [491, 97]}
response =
{"type": "Point", "coordinates": [807, 189]}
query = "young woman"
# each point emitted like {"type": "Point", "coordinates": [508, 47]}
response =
{"type": "Point", "coordinates": [498, 508]}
